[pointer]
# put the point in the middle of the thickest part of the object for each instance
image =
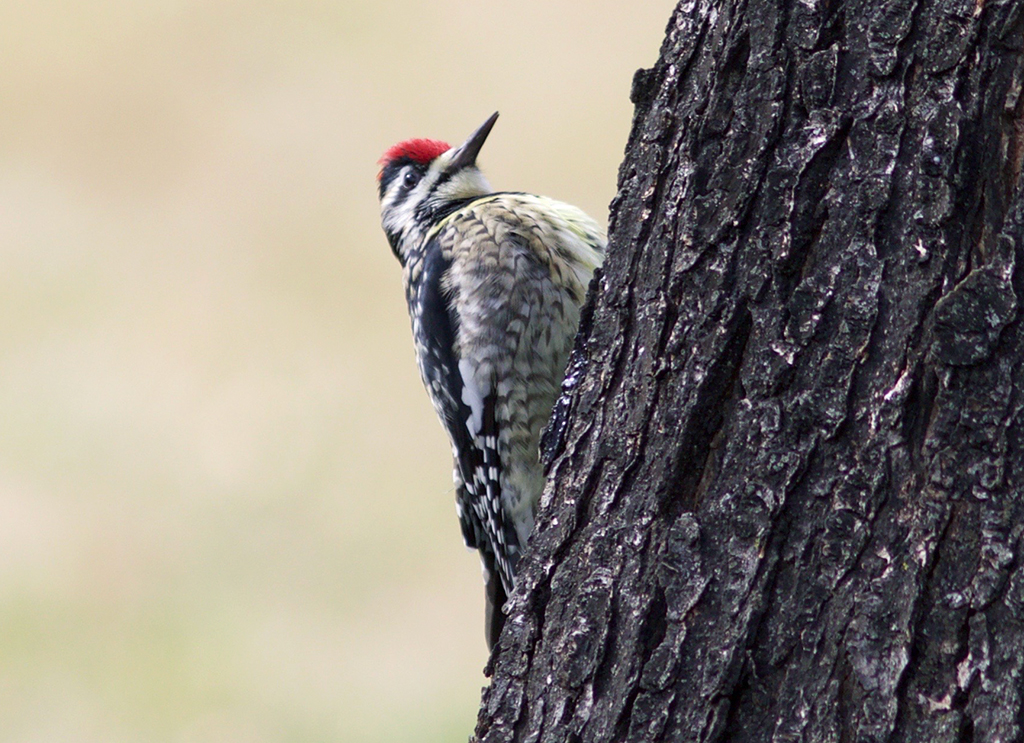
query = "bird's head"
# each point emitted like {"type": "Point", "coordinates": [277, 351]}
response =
{"type": "Point", "coordinates": [421, 181]}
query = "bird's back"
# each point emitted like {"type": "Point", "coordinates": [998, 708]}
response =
{"type": "Point", "coordinates": [519, 268]}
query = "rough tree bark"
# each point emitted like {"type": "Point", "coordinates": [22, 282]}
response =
{"type": "Point", "coordinates": [787, 496]}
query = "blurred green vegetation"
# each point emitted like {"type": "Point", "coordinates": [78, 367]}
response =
{"type": "Point", "coordinates": [226, 511]}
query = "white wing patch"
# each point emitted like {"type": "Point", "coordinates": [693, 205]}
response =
{"type": "Point", "coordinates": [473, 397]}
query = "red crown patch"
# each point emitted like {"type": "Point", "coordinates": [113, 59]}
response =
{"type": "Point", "coordinates": [417, 150]}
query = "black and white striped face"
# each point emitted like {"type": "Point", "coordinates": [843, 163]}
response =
{"type": "Point", "coordinates": [415, 195]}
{"type": "Point", "coordinates": [422, 181]}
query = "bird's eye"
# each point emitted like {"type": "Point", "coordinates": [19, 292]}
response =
{"type": "Point", "coordinates": [411, 179]}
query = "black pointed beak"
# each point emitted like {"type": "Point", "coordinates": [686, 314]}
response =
{"type": "Point", "coordinates": [466, 154]}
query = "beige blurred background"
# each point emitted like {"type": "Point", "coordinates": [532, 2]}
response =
{"type": "Point", "coordinates": [226, 511]}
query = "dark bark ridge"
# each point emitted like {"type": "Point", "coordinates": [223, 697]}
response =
{"type": "Point", "coordinates": [787, 495]}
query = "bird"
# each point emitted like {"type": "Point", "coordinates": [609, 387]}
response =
{"type": "Point", "coordinates": [494, 282]}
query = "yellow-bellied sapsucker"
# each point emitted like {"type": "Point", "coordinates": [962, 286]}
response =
{"type": "Point", "coordinates": [494, 283]}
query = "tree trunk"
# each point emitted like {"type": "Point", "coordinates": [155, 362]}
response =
{"type": "Point", "coordinates": [787, 496]}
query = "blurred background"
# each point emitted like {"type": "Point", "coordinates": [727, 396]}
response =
{"type": "Point", "coordinates": [226, 510]}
